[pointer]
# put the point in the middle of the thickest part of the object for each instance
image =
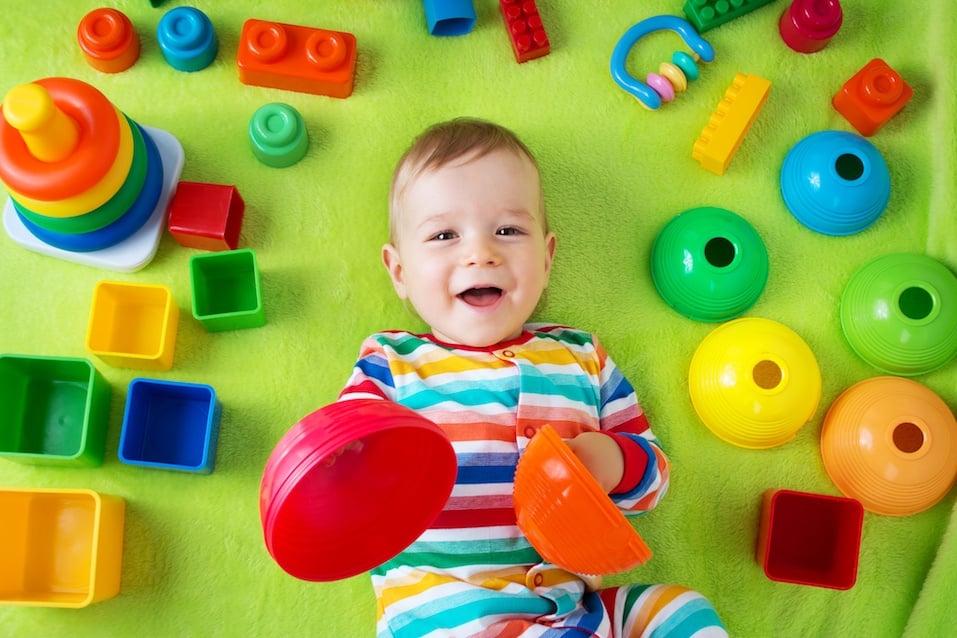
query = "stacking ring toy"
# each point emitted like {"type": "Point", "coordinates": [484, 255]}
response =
{"type": "Point", "coordinates": [890, 443]}
{"type": "Point", "coordinates": [709, 264]}
{"type": "Point", "coordinates": [664, 86]}
{"type": "Point", "coordinates": [110, 211]}
{"type": "Point", "coordinates": [351, 485]}
{"type": "Point", "coordinates": [95, 152]}
{"type": "Point", "coordinates": [124, 227]}
{"type": "Point", "coordinates": [99, 193]}
{"type": "Point", "coordinates": [835, 183]}
{"type": "Point", "coordinates": [565, 514]}
{"type": "Point", "coordinates": [754, 383]}
{"type": "Point", "coordinates": [899, 313]}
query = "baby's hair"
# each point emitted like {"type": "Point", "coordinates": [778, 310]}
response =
{"type": "Point", "coordinates": [443, 143]}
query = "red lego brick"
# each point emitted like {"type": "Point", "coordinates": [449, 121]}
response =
{"type": "Point", "coordinates": [295, 58]}
{"type": "Point", "coordinates": [525, 29]}
{"type": "Point", "coordinates": [872, 96]}
{"type": "Point", "coordinates": [206, 216]}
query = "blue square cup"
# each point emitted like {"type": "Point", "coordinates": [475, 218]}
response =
{"type": "Point", "coordinates": [53, 410]}
{"type": "Point", "coordinates": [170, 425]}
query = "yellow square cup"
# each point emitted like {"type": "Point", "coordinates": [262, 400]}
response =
{"type": "Point", "coordinates": [133, 325]}
{"type": "Point", "coordinates": [59, 548]}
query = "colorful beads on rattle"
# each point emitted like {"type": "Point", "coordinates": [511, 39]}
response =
{"type": "Point", "coordinates": [673, 77]}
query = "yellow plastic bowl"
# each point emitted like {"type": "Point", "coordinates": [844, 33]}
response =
{"type": "Point", "coordinates": [754, 383]}
{"type": "Point", "coordinates": [890, 443]}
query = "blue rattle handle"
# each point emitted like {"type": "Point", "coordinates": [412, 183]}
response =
{"type": "Point", "coordinates": [645, 94]}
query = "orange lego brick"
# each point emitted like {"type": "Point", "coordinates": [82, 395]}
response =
{"type": "Point", "coordinates": [872, 96]}
{"type": "Point", "coordinates": [296, 58]}
{"type": "Point", "coordinates": [525, 29]}
{"type": "Point", "coordinates": [729, 123]}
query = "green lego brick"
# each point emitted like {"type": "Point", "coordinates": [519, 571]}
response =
{"type": "Point", "coordinates": [708, 14]}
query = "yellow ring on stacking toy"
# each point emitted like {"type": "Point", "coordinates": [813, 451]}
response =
{"type": "Point", "coordinates": [97, 195]}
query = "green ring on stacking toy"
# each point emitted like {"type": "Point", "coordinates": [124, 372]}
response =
{"type": "Point", "coordinates": [109, 212]}
{"type": "Point", "coordinates": [709, 264]}
{"type": "Point", "coordinates": [278, 135]}
{"type": "Point", "coordinates": [899, 313]}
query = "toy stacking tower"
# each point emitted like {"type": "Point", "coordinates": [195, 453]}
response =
{"type": "Point", "coordinates": [81, 175]}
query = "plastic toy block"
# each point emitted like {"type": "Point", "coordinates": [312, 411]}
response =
{"type": "Point", "coordinates": [206, 216]}
{"type": "Point", "coordinates": [525, 29]}
{"type": "Point", "coordinates": [187, 39]}
{"type": "Point", "coordinates": [807, 26]}
{"type": "Point", "coordinates": [810, 539]}
{"type": "Point", "coordinates": [736, 112]}
{"type": "Point", "coordinates": [278, 135]}
{"type": "Point", "coordinates": [170, 425]}
{"type": "Point", "coordinates": [449, 17]}
{"type": "Point", "coordinates": [708, 14]}
{"type": "Point", "coordinates": [55, 410]}
{"type": "Point", "coordinates": [227, 294]}
{"type": "Point", "coordinates": [296, 58]}
{"type": "Point", "coordinates": [59, 547]}
{"type": "Point", "coordinates": [872, 96]}
{"type": "Point", "coordinates": [133, 325]}
{"type": "Point", "coordinates": [108, 40]}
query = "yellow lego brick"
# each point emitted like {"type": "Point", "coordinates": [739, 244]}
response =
{"type": "Point", "coordinates": [737, 110]}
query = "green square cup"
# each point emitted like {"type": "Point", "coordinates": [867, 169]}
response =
{"type": "Point", "coordinates": [226, 290]}
{"type": "Point", "coordinates": [53, 410]}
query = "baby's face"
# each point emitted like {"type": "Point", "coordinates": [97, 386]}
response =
{"type": "Point", "coordinates": [471, 254]}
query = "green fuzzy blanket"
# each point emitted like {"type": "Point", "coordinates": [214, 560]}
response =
{"type": "Point", "coordinates": [194, 561]}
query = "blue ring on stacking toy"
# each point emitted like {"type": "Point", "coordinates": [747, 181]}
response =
{"type": "Point", "coordinates": [124, 227]}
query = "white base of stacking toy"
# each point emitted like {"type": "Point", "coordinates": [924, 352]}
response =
{"type": "Point", "coordinates": [132, 253]}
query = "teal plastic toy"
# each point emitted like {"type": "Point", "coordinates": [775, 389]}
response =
{"type": "Point", "coordinates": [278, 135]}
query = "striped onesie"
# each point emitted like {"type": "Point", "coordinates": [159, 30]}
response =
{"type": "Point", "coordinates": [473, 573]}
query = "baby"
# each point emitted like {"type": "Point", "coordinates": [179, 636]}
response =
{"type": "Point", "coordinates": [471, 251]}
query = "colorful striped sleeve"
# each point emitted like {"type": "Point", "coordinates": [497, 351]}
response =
{"type": "Point", "coordinates": [371, 377]}
{"type": "Point", "coordinates": [621, 416]}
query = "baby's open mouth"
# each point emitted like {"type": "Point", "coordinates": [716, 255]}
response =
{"type": "Point", "coordinates": [481, 296]}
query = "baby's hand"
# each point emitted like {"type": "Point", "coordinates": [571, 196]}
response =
{"type": "Point", "coordinates": [601, 456]}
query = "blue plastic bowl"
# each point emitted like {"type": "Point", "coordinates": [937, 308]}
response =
{"type": "Point", "coordinates": [835, 183]}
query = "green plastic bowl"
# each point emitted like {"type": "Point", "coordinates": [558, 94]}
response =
{"type": "Point", "coordinates": [709, 264]}
{"type": "Point", "coordinates": [899, 313]}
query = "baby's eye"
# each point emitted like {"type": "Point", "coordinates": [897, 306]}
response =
{"type": "Point", "coordinates": [509, 230]}
{"type": "Point", "coordinates": [444, 235]}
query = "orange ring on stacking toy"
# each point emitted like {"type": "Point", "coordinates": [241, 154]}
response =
{"type": "Point", "coordinates": [95, 196]}
{"type": "Point", "coordinates": [95, 153]}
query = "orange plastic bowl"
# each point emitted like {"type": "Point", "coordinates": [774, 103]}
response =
{"type": "Point", "coordinates": [351, 485]}
{"type": "Point", "coordinates": [890, 443]}
{"type": "Point", "coordinates": [567, 517]}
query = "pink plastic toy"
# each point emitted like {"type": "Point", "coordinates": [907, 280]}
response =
{"type": "Point", "coordinates": [808, 25]}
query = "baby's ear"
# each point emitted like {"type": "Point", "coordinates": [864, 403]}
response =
{"type": "Point", "coordinates": [392, 263]}
{"type": "Point", "coordinates": [550, 242]}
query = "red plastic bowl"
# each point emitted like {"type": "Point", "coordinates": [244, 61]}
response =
{"type": "Point", "coordinates": [351, 485]}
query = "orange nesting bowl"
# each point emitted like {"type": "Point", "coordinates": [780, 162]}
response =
{"type": "Point", "coordinates": [890, 443]}
{"type": "Point", "coordinates": [351, 485]}
{"type": "Point", "coordinates": [566, 515]}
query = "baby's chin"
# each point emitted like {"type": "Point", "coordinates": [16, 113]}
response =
{"type": "Point", "coordinates": [476, 338]}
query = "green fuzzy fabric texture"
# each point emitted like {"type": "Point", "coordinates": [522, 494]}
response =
{"type": "Point", "coordinates": [194, 560]}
